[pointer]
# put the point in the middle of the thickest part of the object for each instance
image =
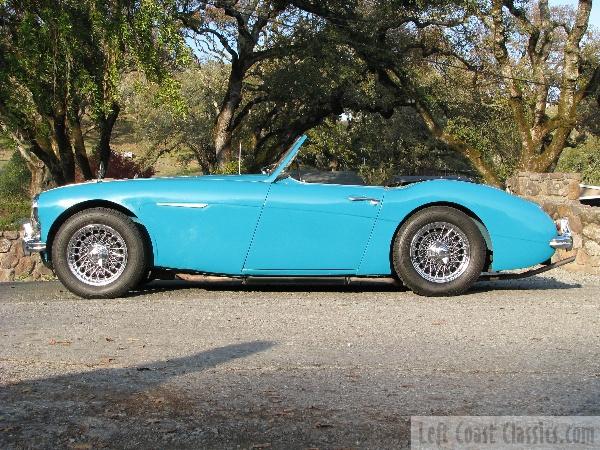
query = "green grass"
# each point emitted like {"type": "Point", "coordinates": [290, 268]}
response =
{"type": "Point", "coordinates": [12, 212]}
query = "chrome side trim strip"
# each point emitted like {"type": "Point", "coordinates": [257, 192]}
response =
{"type": "Point", "coordinates": [183, 205]}
{"type": "Point", "coordinates": [372, 201]}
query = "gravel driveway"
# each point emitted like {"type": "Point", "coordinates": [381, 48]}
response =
{"type": "Point", "coordinates": [221, 365]}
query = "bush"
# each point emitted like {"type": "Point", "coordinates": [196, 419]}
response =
{"type": "Point", "coordinates": [584, 159]}
{"type": "Point", "coordinates": [229, 168]}
{"type": "Point", "coordinates": [15, 178]}
{"type": "Point", "coordinates": [12, 212]}
{"type": "Point", "coordinates": [120, 167]}
{"type": "Point", "coordinates": [15, 203]}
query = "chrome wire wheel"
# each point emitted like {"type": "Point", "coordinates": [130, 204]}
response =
{"type": "Point", "coordinates": [97, 254]}
{"type": "Point", "coordinates": [440, 252]}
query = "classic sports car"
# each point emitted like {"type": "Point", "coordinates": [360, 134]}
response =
{"type": "Point", "coordinates": [104, 238]}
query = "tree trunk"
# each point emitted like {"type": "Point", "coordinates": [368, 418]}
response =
{"type": "Point", "coordinates": [40, 176]}
{"type": "Point", "coordinates": [106, 125]}
{"type": "Point", "coordinates": [80, 153]}
{"type": "Point", "coordinates": [222, 130]}
{"type": "Point", "coordinates": [43, 152]}
{"type": "Point", "coordinates": [63, 144]}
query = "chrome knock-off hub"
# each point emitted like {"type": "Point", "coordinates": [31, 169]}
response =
{"type": "Point", "coordinates": [440, 252]}
{"type": "Point", "coordinates": [97, 254]}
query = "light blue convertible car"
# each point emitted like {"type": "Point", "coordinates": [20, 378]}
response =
{"type": "Point", "coordinates": [104, 238]}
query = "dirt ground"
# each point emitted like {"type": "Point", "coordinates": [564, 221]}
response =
{"type": "Point", "coordinates": [221, 365]}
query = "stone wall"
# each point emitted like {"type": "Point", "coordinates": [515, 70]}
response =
{"type": "Point", "coordinates": [558, 194]}
{"type": "Point", "coordinates": [14, 265]}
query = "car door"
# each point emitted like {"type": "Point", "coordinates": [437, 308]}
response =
{"type": "Point", "coordinates": [313, 229]}
{"type": "Point", "coordinates": [203, 225]}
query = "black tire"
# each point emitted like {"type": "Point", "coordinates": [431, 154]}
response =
{"type": "Point", "coordinates": [148, 277]}
{"type": "Point", "coordinates": [468, 273]}
{"type": "Point", "coordinates": [134, 268]}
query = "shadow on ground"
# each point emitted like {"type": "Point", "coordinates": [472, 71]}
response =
{"type": "Point", "coordinates": [181, 403]}
{"type": "Point", "coordinates": [55, 291]}
{"type": "Point", "coordinates": [186, 403]}
{"type": "Point", "coordinates": [114, 407]}
{"type": "Point", "coordinates": [336, 285]}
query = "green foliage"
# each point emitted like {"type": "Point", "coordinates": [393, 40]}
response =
{"type": "Point", "coordinates": [229, 168]}
{"type": "Point", "coordinates": [15, 178]}
{"type": "Point", "coordinates": [12, 212]}
{"type": "Point", "coordinates": [379, 149]}
{"type": "Point", "coordinates": [62, 62]}
{"type": "Point", "coordinates": [490, 135]}
{"type": "Point", "coordinates": [184, 132]}
{"type": "Point", "coordinates": [14, 196]}
{"type": "Point", "coordinates": [92, 57]}
{"type": "Point", "coordinates": [481, 120]}
{"type": "Point", "coordinates": [330, 147]}
{"type": "Point", "coordinates": [584, 159]}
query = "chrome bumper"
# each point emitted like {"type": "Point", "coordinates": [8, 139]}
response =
{"type": "Point", "coordinates": [31, 239]}
{"type": "Point", "coordinates": [564, 240]}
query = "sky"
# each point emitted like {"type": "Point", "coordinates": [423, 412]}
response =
{"type": "Point", "coordinates": [594, 17]}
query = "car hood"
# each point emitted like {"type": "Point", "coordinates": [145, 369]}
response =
{"type": "Point", "coordinates": [159, 181]}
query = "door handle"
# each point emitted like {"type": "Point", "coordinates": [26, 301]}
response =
{"type": "Point", "coordinates": [372, 201]}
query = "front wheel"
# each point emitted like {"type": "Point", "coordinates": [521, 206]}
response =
{"type": "Point", "coordinates": [99, 253]}
{"type": "Point", "coordinates": [439, 252]}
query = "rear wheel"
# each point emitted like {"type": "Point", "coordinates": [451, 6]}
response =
{"type": "Point", "coordinates": [99, 253]}
{"type": "Point", "coordinates": [438, 252]}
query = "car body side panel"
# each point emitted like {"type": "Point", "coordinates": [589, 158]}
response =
{"type": "Point", "coordinates": [214, 238]}
{"type": "Point", "coordinates": [196, 223]}
{"type": "Point", "coordinates": [313, 229]}
{"type": "Point", "coordinates": [519, 230]}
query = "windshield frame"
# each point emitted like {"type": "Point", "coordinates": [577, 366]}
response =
{"type": "Point", "coordinates": [287, 158]}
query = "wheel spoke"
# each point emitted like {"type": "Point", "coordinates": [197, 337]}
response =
{"type": "Point", "coordinates": [440, 252]}
{"type": "Point", "coordinates": [97, 254]}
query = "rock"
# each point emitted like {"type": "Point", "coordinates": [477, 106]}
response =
{"type": "Point", "coordinates": [589, 214]}
{"type": "Point", "coordinates": [24, 268]}
{"type": "Point", "coordinates": [582, 258]}
{"type": "Point", "coordinates": [8, 260]}
{"type": "Point", "coordinates": [592, 248]}
{"type": "Point", "coordinates": [575, 224]}
{"type": "Point", "coordinates": [4, 245]}
{"type": "Point", "coordinates": [556, 188]}
{"type": "Point", "coordinates": [573, 191]}
{"type": "Point", "coordinates": [7, 275]}
{"type": "Point", "coordinates": [564, 210]}
{"type": "Point", "coordinates": [592, 231]}
{"type": "Point", "coordinates": [531, 190]}
{"type": "Point", "coordinates": [18, 248]}
{"type": "Point", "coordinates": [42, 272]}
{"type": "Point", "coordinates": [12, 235]}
